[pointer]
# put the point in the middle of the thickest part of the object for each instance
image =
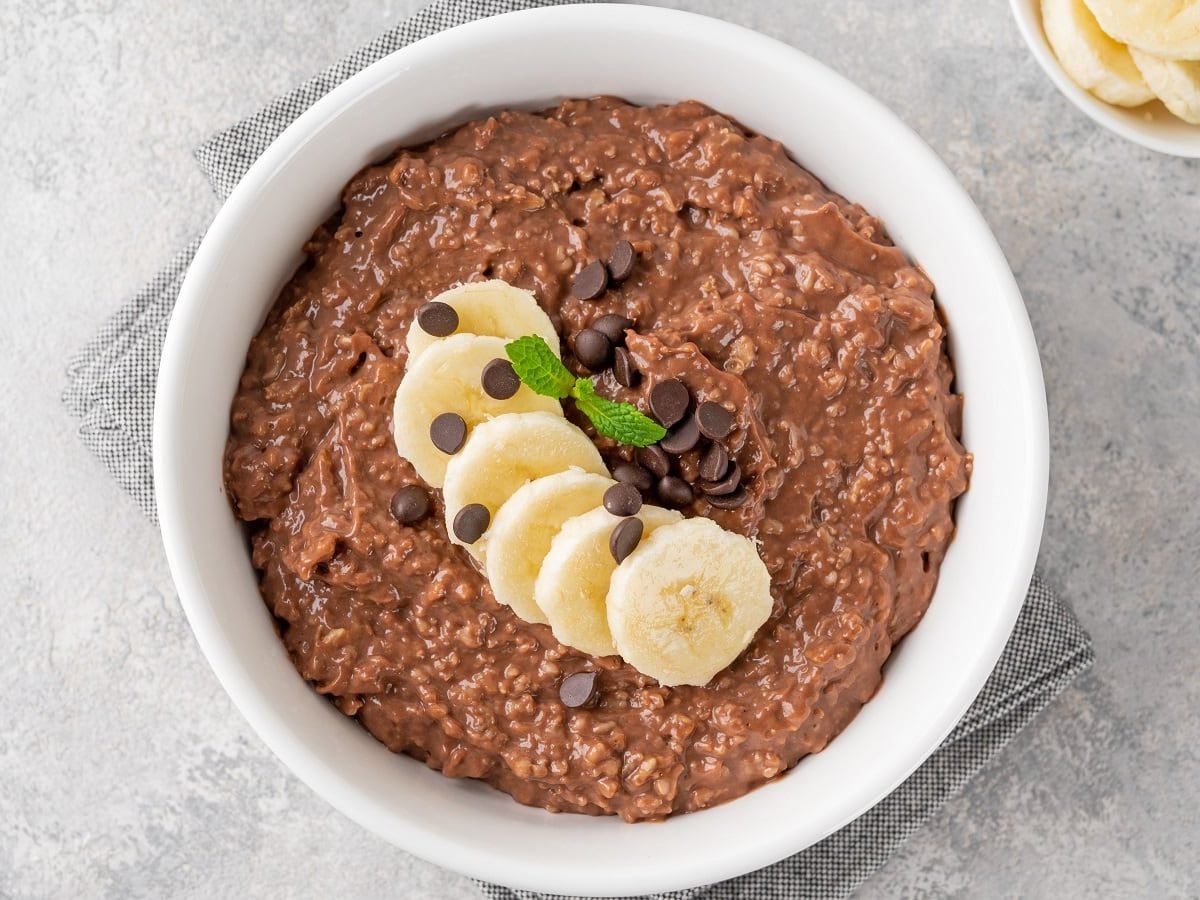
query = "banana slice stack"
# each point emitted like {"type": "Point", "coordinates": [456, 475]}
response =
{"type": "Point", "coordinates": [1128, 52]}
{"type": "Point", "coordinates": [679, 607]}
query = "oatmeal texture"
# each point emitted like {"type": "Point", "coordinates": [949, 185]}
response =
{"type": "Point", "coordinates": [755, 285]}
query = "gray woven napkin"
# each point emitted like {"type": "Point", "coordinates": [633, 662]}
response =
{"type": "Point", "coordinates": [111, 391]}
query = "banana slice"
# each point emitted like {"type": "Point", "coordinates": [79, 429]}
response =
{"type": "Point", "coordinates": [524, 527]}
{"type": "Point", "coordinates": [493, 308]}
{"type": "Point", "coordinates": [447, 379]}
{"type": "Point", "coordinates": [505, 453]}
{"type": "Point", "coordinates": [1167, 28]}
{"type": "Point", "coordinates": [1175, 82]}
{"type": "Point", "coordinates": [687, 601]}
{"type": "Point", "coordinates": [1094, 61]}
{"type": "Point", "coordinates": [572, 587]}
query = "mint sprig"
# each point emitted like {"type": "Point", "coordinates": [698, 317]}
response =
{"type": "Point", "coordinates": [539, 367]}
{"type": "Point", "coordinates": [623, 422]}
{"type": "Point", "coordinates": [543, 372]}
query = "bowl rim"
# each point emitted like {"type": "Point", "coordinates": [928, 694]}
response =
{"type": "Point", "coordinates": [273, 725]}
{"type": "Point", "coordinates": [1119, 120]}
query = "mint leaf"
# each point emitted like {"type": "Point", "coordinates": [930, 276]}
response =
{"type": "Point", "coordinates": [543, 372]}
{"type": "Point", "coordinates": [539, 367]}
{"type": "Point", "coordinates": [622, 422]}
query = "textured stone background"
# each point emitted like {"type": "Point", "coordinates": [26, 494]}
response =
{"type": "Point", "coordinates": [160, 789]}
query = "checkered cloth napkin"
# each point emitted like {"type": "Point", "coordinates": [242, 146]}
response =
{"type": "Point", "coordinates": [111, 391]}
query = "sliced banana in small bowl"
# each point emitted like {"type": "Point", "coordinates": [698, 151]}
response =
{"type": "Point", "coordinates": [1176, 82]}
{"type": "Point", "coordinates": [1089, 50]}
{"type": "Point", "coordinates": [1169, 29]}
{"type": "Point", "coordinates": [1094, 61]}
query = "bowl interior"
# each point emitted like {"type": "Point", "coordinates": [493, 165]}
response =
{"type": "Point", "coordinates": [649, 55]}
{"type": "Point", "coordinates": [1151, 125]}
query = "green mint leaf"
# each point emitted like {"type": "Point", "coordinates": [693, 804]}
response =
{"type": "Point", "coordinates": [539, 367]}
{"type": "Point", "coordinates": [622, 422]}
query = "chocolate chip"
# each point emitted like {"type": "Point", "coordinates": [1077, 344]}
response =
{"type": "Point", "coordinates": [437, 318]}
{"type": "Point", "coordinates": [653, 458]}
{"type": "Point", "coordinates": [625, 538]}
{"type": "Point", "coordinates": [624, 371]}
{"type": "Point", "coordinates": [623, 499]}
{"type": "Point", "coordinates": [675, 491]}
{"type": "Point", "coordinates": [620, 264]}
{"type": "Point", "coordinates": [448, 431]}
{"type": "Point", "coordinates": [714, 463]}
{"type": "Point", "coordinates": [729, 501]}
{"type": "Point", "coordinates": [683, 437]}
{"type": "Point", "coordinates": [669, 401]}
{"type": "Point", "coordinates": [593, 349]}
{"type": "Point", "coordinates": [410, 504]}
{"type": "Point", "coordinates": [715, 420]}
{"type": "Point", "coordinates": [500, 379]}
{"type": "Point", "coordinates": [578, 690]}
{"type": "Point", "coordinates": [613, 327]}
{"type": "Point", "coordinates": [471, 522]}
{"type": "Point", "coordinates": [726, 485]}
{"type": "Point", "coordinates": [635, 475]}
{"type": "Point", "coordinates": [591, 281]}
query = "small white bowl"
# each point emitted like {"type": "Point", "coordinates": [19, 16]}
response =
{"type": "Point", "coordinates": [647, 55]}
{"type": "Point", "coordinates": [1151, 125]}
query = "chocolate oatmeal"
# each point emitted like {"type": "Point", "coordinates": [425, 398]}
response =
{"type": "Point", "coordinates": [746, 280]}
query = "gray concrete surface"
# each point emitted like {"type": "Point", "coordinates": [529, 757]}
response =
{"type": "Point", "coordinates": [125, 771]}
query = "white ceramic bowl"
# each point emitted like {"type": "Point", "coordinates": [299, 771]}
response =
{"type": "Point", "coordinates": [1151, 125]}
{"type": "Point", "coordinates": [530, 59]}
